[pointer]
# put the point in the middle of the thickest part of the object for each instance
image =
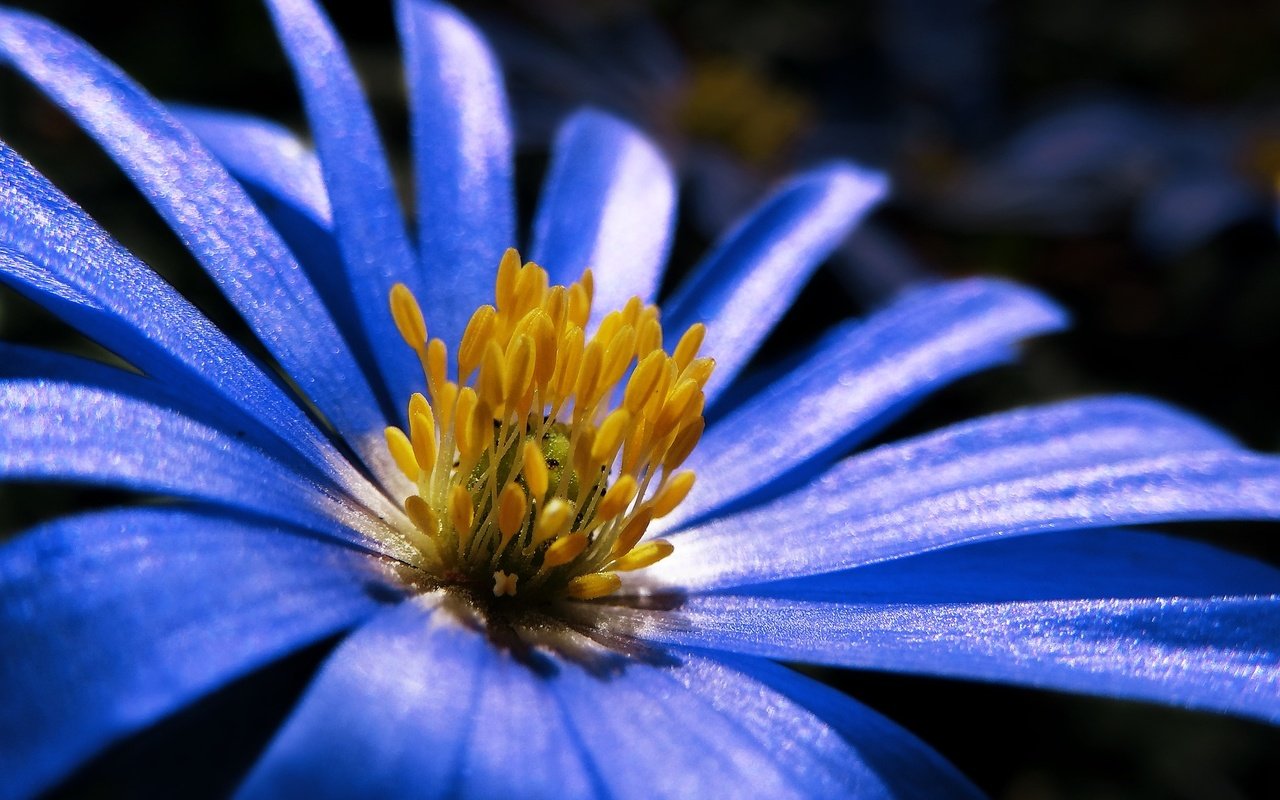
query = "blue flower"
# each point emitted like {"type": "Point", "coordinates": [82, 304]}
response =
{"type": "Point", "coordinates": [288, 527]}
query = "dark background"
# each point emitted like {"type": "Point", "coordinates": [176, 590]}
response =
{"type": "Point", "coordinates": [933, 92]}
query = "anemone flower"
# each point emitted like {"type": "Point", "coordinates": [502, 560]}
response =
{"type": "Point", "coordinates": [533, 595]}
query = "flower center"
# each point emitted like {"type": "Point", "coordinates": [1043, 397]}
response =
{"type": "Point", "coordinates": [539, 471]}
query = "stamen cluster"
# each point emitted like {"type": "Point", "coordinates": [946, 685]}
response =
{"type": "Point", "coordinates": [541, 468]}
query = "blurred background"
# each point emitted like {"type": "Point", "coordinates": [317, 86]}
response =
{"type": "Point", "coordinates": [1121, 157]}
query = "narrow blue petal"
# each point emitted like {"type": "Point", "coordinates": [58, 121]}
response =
{"type": "Point", "coordinates": [282, 175]}
{"type": "Point", "coordinates": [904, 766]}
{"type": "Point", "coordinates": [462, 151]}
{"type": "Point", "coordinates": [18, 361]}
{"type": "Point", "coordinates": [77, 272]}
{"type": "Point", "coordinates": [1080, 464]}
{"type": "Point", "coordinates": [745, 285]}
{"type": "Point", "coordinates": [367, 219]}
{"type": "Point", "coordinates": [420, 701]}
{"type": "Point", "coordinates": [830, 745]}
{"type": "Point", "coordinates": [857, 380]}
{"type": "Point", "coordinates": [111, 621]}
{"type": "Point", "coordinates": [1094, 564]}
{"type": "Point", "coordinates": [1220, 653]}
{"type": "Point", "coordinates": [609, 204]}
{"type": "Point", "coordinates": [66, 432]}
{"type": "Point", "coordinates": [264, 156]}
{"type": "Point", "coordinates": [217, 221]}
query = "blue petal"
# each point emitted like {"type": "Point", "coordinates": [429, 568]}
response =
{"type": "Point", "coordinates": [18, 361]}
{"type": "Point", "coordinates": [62, 431]}
{"type": "Point", "coordinates": [263, 156]}
{"type": "Point", "coordinates": [111, 621]}
{"type": "Point", "coordinates": [750, 279]}
{"type": "Point", "coordinates": [417, 701]}
{"type": "Point", "coordinates": [1220, 653]}
{"type": "Point", "coordinates": [900, 765]}
{"type": "Point", "coordinates": [608, 204]}
{"type": "Point", "coordinates": [210, 211]}
{"type": "Point", "coordinates": [1078, 464]}
{"type": "Point", "coordinates": [461, 132]}
{"type": "Point", "coordinates": [856, 381]}
{"type": "Point", "coordinates": [97, 287]}
{"type": "Point", "coordinates": [421, 698]}
{"type": "Point", "coordinates": [1095, 564]}
{"type": "Point", "coordinates": [283, 177]}
{"type": "Point", "coordinates": [367, 218]}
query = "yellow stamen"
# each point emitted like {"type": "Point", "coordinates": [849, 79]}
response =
{"type": "Point", "coordinates": [689, 344]}
{"type": "Point", "coordinates": [422, 433]}
{"type": "Point", "coordinates": [461, 513]}
{"type": "Point", "coordinates": [564, 550]}
{"type": "Point", "coordinates": [408, 317]}
{"type": "Point", "coordinates": [672, 493]}
{"type": "Point", "coordinates": [402, 452]}
{"type": "Point", "coordinates": [535, 470]}
{"type": "Point", "coordinates": [477, 334]}
{"type": "Point", "coordinates": [645, 555]}
{"type": "Point", "coordinates": [514, 464]}
{"type": "Point", "coordinates": [617, 498]}
{"type": "Point", "coordinates": [596, 584]}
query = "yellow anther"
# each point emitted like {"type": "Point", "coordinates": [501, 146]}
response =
{"type": "Point", "coordinates": [666, 380]}
{"type": "Point", "coordinates": [631, 311]}
{"type": "Point", "coordinates": [557, 305]}
{"type": "Point", "coordinates": [504, 583]}
{"type": "Point", "coordinates": [418, 404]}
{"type": "Point", "coordinates": [422, 516]}
{"type": "Point", "coordinates": [609, 326]}
{"type": "Point", "coordinates": [461, 513]}
{"type": "Point", "coordinates": [643, 556]}
{"type": "Point", "coordinates": [687, 348]}
{"type": "Point", "coordinates": [675, 409]}
{"type": "Point", "coordinates": [552, 520]}
{"type": "Point", "coordinates": [593, 585]}
{"type": "Point", "coordinates": [543, 331]}
{"type": "Point", "coordinates": [622, 492]}
{"type": "Point", "coordinates": [588, 376]}
{"type": "Point", "coordinates": [683, 445]}
{"type": "Point", "coordinates": [422, 433]}
{"type": "Point", "coordinates": [474, 339]}
{"type": "Point", "coordinates": [672, 493]}
{"type": "Point", "coordinates": [531, 288]}
{"type": "Point", "coordinates": [436, 365]}
{"type": "Point", "coordinates": [648, 336]}
{"type": "Point", "coordinates": [446, 402]}
{"type": "Point", "coordinates": [408, 316]}
{"type": "Point", "coordinates": [490, 385]}
{"type": "Point", "coordinates": [535, 470]}
{"type": "Point", "coordinates": [471, 436]}
{"type": "Point", "coordinates": [617, 357]}
{"type": "Point", "coordinates": [505, 285]}
{"type": "Point", "coordinates": [402, 452]}
{"type": "Point", "coordinates": [633, 532]}
{"type": "Point", "coordinates": [700, 370]}
{"type": "Point", "coordinates": [568, 359]}
{"type": "Point", "coordinates": [564, 550]}
{"type": "Point", "coordinates": [609, 436]}
{"type": "Point", "coordinates": [579, 305]}
{"type": "Point", "coordinates": [643, 380]}
{"type": "Point", "coordinates": [517, 377]}
{"type": "Point", "coordinates": [512, 506]}
{"type": "Point", "coordinates": [635, 447]}
{"type": "Point", "coordinates": [582, 461]}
